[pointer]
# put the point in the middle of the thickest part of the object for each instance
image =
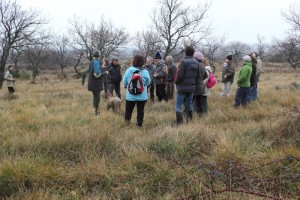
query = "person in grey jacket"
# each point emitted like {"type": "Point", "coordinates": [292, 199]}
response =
{"type": "Point", "coordinates": [227, 76]}
{"type": "Point", "coordinates": [160, 77]}
{"type": "Point", "coordinates": [150, 68]}
{"type": "Point", "coordinates": [9, 79]}
{"type": "Point", "coordinates": [187, 78]}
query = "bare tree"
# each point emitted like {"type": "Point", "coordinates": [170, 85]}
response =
{"type": "Point", "coordinates": [63, 52]}
{"type": "Point", "coordinates": [16, 25]}
{"type": "Point", "coordinates": [237, 50]}
{"type": "Point", "coordinates": [292, 16]}
{"type": "Point", "coordinates": [37, 53]}
{"type": "Point", "coordinates": [175, 22]}
{"type": "Point", "coordinates": [262, 47]}
{"type": "Point", "coordinates": [210, 48]}
{"type": "Point", "coordinates": [147, 42]}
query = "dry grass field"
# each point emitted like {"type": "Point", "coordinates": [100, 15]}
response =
{"type": "Point", "coordinates": [53, 147]}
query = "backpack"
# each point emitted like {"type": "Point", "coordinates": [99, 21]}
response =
{"type": "Point", "coordinates": [136, 85]}
{"type": "Point", "coordinates": [211, 82]}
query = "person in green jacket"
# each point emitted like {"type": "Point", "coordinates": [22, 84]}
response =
{"type": "Point", "coordinates": [243, 82]}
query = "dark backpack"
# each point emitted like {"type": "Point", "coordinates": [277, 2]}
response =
{"type": "Point", "coordinates": [136, 85]}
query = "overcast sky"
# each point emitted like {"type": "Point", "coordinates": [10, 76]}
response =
{"type": "Point", "coordinates": [240, 20]}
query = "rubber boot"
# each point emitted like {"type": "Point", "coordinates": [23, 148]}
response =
{"type": "Point", "coordinates": [179, 118]}
{"type": "Point", "coordinates": [189, 116]}
{"type": "Point", "coordinates": [96, 111]}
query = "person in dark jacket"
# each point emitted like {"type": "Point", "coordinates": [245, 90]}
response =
{"type": "Point", "coordinates": [160, 77]}
{"type": "Point", "coordinates": [186, 80]}
{"type": "Point", "coordinates": [199, 100]}
{"type": "Point", "coordinates": [172, 69]}
{"type": "Point", "coordinates": [115, 77]}
{"type": "Point", "coordinates": [95, 82]}
{"type": "Point", "coordinates": [150, 68]}
{"type": "Point", "coordinates": [253, 79]}
{"type": "Point", "coordinates": [227, 76]}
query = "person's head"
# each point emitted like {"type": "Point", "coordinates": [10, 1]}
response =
{"type": "Point", "coordinates": [115, 61]}
{"type": "Point", "coordinates": [189, 51]}
{"type": "Point", "coordinates": [169, 59]}
{"type": "Point", "coordinates": [205, 62]}
{"type": "Point", "coordinates": [149, 60]}
{"type": "Point", "coordinates": [247, 59]}
{"type": "Point", "coordinates": [253, 55]}
{"type": "Point", "coordinates": [229, 59]}
{"type": "Point", "coordinates": [256, 54]}
{"type": "Point", "coordinates": [138, 60]}
{"type": "Point", "coordinates": [105, 61]}
{"type": "Point", "coordinates": [96, 54]}
{"type": "Point", "coordinates": [198, 56]}
{"type": "Point", "coordinates": [10, 68]}
{"type": "Point", "coordinates": [157, 57]}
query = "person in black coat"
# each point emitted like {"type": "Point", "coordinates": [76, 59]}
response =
{"type": "Point", "coordinates": [95, 82]}
{"type": "Point", "coordinates": [115, 77]}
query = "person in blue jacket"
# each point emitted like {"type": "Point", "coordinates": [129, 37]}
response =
{"type": "Point", "coordinates": [136, 99]}
{"type": "Point", "coordinates": [95, 82]}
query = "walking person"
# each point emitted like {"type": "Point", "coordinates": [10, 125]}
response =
{"type": "Point", "coordinates": [186, 80]}
{"type": "Point", "coordinates": [95, 82]}
{"type": "Point", "coordinates": [136, 99]}
{"type": "Point", "coordinates": [199, 99]}
{"type": "Point", "coordinates": [160, 77]}
{"type": "Point", "coordinates": [115, 78]}
{"type": "Point", "coordinates": [9, 79]}
{"type": "Point", "coordinates": [227, 76]}
{"type": "Point", "coordinates": [172, 69]}
{"type": "Point", "coordinates": [243, 82]}
{"type": "Point", "coordinates": [150, 68]}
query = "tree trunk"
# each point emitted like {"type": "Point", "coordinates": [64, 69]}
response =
{"type": "Point", "coordinates": [3, 63]}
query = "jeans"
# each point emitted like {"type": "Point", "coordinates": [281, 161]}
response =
{"type": "Point", "coordinates": [140, 111]}
{"type": "Point", "coordinates": [200, 104]}
{"type": "Point", "coordinates": [253, 92]}
{"type": "Point", "coordinates": [96, 99]}
{"type": "Point", "coordinates": [116, 87]}
{"type": "Point", "coordinates": [241, 97]}
{"type": "Point", "coordinates": [226, 89]}
{"type": "Point", "coordinates": [188, 98]}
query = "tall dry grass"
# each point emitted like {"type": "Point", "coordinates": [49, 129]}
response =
{"type": "Point", "coordinates": [53, 147]}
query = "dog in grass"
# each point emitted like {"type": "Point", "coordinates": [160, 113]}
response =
{"type": "Point", "coordinates": [113, 102]}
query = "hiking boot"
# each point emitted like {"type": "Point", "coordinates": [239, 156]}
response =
{"type": "Point", "coordinates": [189, 116]}
{"type": "Point", "coordinates": [96, 111]}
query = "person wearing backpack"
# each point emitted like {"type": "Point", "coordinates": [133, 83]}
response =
{"type": "Point", "coordinates": [199, 99]}
{"type": "Point", "coordinates": [207, 88]}
{"type": "Point", "coordinates": [95, 82]}
{"type": "Point", "coordinates": [136, 80]}
{"type": "Point", "coordinates": [115, 77]}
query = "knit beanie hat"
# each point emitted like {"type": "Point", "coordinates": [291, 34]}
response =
{"type": "Point", "coordinates": [198, 55]}
{"type": "Point", "coordinates": [229, 57]}
{"type": "Point", "coordinates": [247, 58]}
{"type": "Point", "coordinates": [96, 54]}
{"type": "Point", "coordinates": [157, 55]}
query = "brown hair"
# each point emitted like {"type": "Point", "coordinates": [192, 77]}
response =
{"type": "Point", "coordinates": [138, 60]}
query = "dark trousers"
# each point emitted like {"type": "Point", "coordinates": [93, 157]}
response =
{"type": "Point", "coordinates": [241, 96]}
{"type": "Point", "coordinates": [105, 83]}
{"type": "Point", "coordinates": [170, 89]}
{"type": "Point", "coordinates": [11, 90]}
{"type": "Point", "coordinates": [200, 104]}
{"type": "Point", "coordinates": [96, 99]}
{"type": "Point", "coordinates": [151, 90]}
{"type": "Point", "coordinates": [140, 111]}
{"type": "Point", "coordinates": [116, 87]}
{"type": "Point", "coordinates": [161, 92]}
